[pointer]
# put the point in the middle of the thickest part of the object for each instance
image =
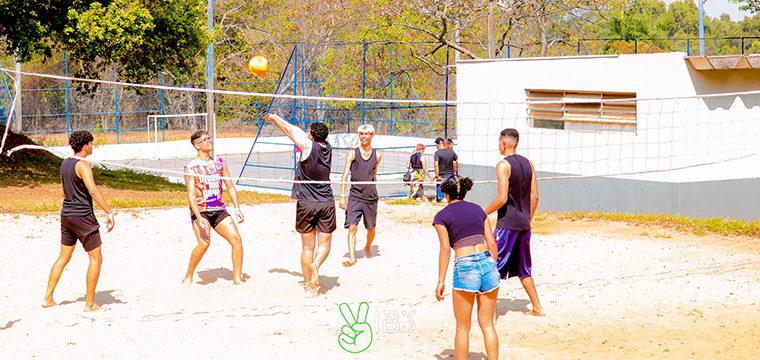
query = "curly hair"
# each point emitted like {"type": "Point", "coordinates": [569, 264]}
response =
{"type": "Point", "coordinates": [79, 139]}
{"type": "Point", "coordinates": [319, 131]}
{"type": "Point", "coordinates": [456, 187]}
{"type": "Point", "coordinates": [419, 147]}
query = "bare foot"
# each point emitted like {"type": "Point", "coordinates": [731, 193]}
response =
{"type": "Point", "coordinates": [349, 263]}
{"type": "Point", "coordinates": [48, 303]}
{"type": "Point", "coordinates": [94, 307]}
{"type": "Point", "coordinates": [368, 252]}
{"type": "Point", "coordinates": [238, 282]}
{"type": "Point", "coordinates": [187, 282]}
{"type": "Point", "coordinates": [311, 290]}
{"type": "Point", "coordinates": [535, 313]}
{"type": "Point", "coordinates": [314, 275]}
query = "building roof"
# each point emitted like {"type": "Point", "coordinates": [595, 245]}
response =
{"type": "Point", "coordinates": [724, 62]}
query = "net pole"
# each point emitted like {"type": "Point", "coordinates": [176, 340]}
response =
{"type": "Point", "coordinates": [210, 77]}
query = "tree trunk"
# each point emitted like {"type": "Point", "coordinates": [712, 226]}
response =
{"type": "Point", "coordinates": [542, 34]}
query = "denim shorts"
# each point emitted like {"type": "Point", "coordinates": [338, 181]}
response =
{"type": "Point", "coordinates": [476, 273]}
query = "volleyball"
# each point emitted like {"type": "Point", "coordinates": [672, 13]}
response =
{"type": "Point", "coordinates": [258, 65]}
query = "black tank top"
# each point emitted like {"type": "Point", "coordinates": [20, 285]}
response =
{"type": "Point", "coordinates": [77, 199]}
{"type": "Point", "coordinates": [416, 161]}
{"type": "Point", "coordinates": [315, 167]}
{"type": "Point", "coordinates": [515, 213]}
{"type": "Point", "coordinates": [363, 170]}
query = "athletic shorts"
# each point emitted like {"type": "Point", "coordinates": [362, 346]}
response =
{"type": "Point", "coordinates": [356, 209]}
{"type": "Point", "coordinates": [82, 228]}
{"type": "Point", "coordinates": [475, 273]}
{"type": "Point", "coordinates": [214, 217]}
{"type": "Point", "coordinates": [514, 253]}
{"type": "Point", "coordinates": [319, 216]}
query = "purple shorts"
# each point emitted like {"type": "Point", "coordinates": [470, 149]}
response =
{"type": "Point", "coordinates": [355, 210]}
{"type": "Point", "coordinates": [514, 253]}
{"type": "Point", "coordinates": [83, 228]}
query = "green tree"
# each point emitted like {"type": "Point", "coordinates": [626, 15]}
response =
{"type": "Point", "coordinates": [140, 36]}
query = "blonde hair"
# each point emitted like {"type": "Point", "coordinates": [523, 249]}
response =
{"type": "Point", "coordinates": [366, 128]}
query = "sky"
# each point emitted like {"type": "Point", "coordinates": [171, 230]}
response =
{"type": "Point", "coordinates": [715, 8]}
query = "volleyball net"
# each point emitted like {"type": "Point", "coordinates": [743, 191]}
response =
{"type": "Point", "coordinates": [566, 135]}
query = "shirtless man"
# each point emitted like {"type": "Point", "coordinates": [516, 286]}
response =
{"type": "Point", "coordinates": [362, 163]}
{"type": "Point", "coordinates": [78, 220]}
{"type": "Point", "coordinates": [207, 211]}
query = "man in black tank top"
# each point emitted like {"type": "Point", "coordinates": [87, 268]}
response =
{"type": "Point", "coordinates": [315, 209]}
{"type": "Point", "coordinates": [362, 163]}
{"type": "Point", "coordinates": [516, 203]}
{"type": "Point", "coordinates": [78, 220]}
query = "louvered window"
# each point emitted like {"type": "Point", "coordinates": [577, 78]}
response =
{"type": "Point", "coordinates": [582, 110]}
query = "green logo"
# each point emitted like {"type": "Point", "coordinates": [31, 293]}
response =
{"type": "Point", "coordinates": [356, 336]}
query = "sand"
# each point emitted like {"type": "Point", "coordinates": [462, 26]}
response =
{"type": "Point", "coordinates": [610, 290]}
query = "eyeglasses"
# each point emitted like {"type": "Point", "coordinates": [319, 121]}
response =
{"type": "Point", "coordinates": [205, 139]}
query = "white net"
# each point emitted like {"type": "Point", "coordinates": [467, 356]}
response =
{"type": "Point", "coordinates": [565, 135]}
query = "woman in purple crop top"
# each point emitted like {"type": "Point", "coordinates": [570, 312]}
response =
{"type": "Point", "coordinates": [464, 227]}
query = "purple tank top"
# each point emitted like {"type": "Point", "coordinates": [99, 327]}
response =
{"type": "Point", "coordinates": [515, 213]}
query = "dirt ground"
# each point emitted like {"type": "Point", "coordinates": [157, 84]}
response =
{"type": "Point", "coordinates": [610, 290]}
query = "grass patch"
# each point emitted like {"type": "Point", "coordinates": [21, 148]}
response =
{"type": "Point", "coordinates": [404, 202]}
{"type": "Point", "coordinates": [29, 168]}
{"type": "Point", "coordinates": [680, 223]}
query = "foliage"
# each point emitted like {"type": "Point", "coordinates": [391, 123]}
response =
{"type": "Point", "coordinates": [140, 37]}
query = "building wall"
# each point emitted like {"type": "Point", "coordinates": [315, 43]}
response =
{"type": "Point", "coordinates": [684, 121]}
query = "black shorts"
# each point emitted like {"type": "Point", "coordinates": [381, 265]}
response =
{"type": "Point", "coordinates": [214, 217]}
{"type": "Point", "coordinates": [82, 228]}
{"type": "Point", "coordinates": [356, 209]}
{"type": "Point", "coordinates": [318, 216]}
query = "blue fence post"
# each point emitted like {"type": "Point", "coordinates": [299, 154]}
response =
{"type": "Point", "coordinates": [446, 96]}
{"type": "Point", "coordinates": [364, 80]}
{"type": "Point", "coordinates": [161, 105]}
{"type": "Point", "coordinates": [116, 105]}
{"type": "Point", "coordinates": [390, 72]}
{"type": "Point", "coordinates": [635, 46]}
{"type": "Point", "coordinates": [742, 45]}
{"type": "Point", "coordinates": [508, 48]}
{"type": "Point", "coordinates": [66, 87]}
{"type": "Point", "coordinates": [295, 83]}
{"type": "Point", "coordinates": [579, 46]}
{"type": "Point", "coordinates": [687, 46]}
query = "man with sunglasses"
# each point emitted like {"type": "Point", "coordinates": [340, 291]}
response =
{"type": "Point", "coordinates": [203, 177]}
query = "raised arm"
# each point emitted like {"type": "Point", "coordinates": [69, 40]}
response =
{"type": "Point", "coordinates": [503, 171]}
{"type": "Point", "coordinates": [84, 171]}
{"type": "Point", "coordinates": [296, 134]}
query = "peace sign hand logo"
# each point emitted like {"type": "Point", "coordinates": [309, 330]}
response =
{"type": "Point", "coordinates": [356, 336]}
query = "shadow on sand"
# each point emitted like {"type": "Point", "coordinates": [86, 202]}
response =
{"type": "Point", "coordinates": [210, 276]}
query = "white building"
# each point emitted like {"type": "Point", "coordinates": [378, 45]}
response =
{"type": "Point", "coordinates": [688, 144]}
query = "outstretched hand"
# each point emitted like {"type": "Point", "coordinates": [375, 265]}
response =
{"type": "Point", "coordinates": [110, 222]}
{"type": "Point", "coordinates": [205, 225]}
{"type": "Point", "coordinates": [439, 291]}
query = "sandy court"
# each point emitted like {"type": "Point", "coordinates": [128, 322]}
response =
{"type": "Point", "coordinates": [610, 290]}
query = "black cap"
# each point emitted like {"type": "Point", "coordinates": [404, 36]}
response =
{"type": "Point", "coordinates": [438, 140]}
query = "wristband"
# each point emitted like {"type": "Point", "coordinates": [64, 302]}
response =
{"type": "Point", "coordinates": [110, 214]}
{"type": "Point", "coordinates": [237, 209]}
{"type": "Point", "coordinates": [342, 195]}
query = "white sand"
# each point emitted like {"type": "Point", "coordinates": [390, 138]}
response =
{"type": "Point", "coordinates": [610, 291]}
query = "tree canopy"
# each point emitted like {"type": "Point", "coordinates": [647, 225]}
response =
{"type": "Point", "coordinates": [139, 37]}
